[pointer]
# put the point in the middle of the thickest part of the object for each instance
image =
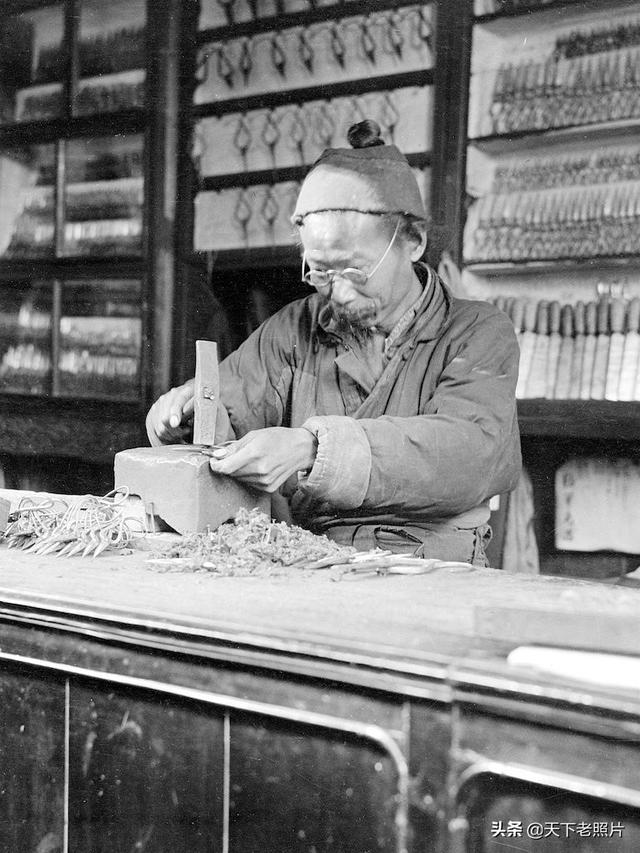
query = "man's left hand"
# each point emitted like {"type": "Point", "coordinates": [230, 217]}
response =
{"type": "Point", "coordinates": [266, 458]}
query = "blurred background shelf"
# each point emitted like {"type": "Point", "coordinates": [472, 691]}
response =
{"type": "Point", "coordinates": [601, 420]}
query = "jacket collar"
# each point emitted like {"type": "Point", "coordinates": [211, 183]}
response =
{"type": "Point", "coordinates": [436, 308]}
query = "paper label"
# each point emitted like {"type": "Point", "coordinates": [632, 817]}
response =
{"type": "Point", "coordinates": [598, 505]}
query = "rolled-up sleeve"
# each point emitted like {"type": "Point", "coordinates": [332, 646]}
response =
{"type": "Point", "coordinates": [340, 474]}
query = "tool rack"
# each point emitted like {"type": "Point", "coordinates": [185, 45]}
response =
{"type": "Point", "coordinates": [550, 178]}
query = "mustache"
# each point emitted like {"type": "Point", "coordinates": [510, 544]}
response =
{"type": "Point", "coordinates": [356, 323]}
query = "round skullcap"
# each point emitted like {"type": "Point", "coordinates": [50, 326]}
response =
{"type": "Point", "coordinates": [371, 177]}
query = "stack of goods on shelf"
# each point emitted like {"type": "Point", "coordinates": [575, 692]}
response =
{"type": "Point", "coordinates": [571, 352]}
{"type": "Point", "coordinates": [320, 53]}
{"type": "Point", "coordinates": [118, 54]}
{"type": "Point", "coordinates": [103, 208]}
{"type": "Point", "coordinates": [100, 339]}
{"type": "Point", "coordinates": [551, 236]}
{"type": "Point", "coordinates": [590, 77]}
{"type": "Point", "coordinates": [272, 98]}
{"type": "Point", "coordinates": [117, 50]}
{"type": "Point", "coordinates": [229, 12]}
{"type": "Point", "coordinates": [28, 192]}
{"type": "Point", "coordinates": [25, 336]}
{"type": "Point", "coordinates": [104, 219]}
{"type": "Point", "coordinates": [543, 207]}
{"type": "Point", "coordinates": [296, 134]}
{"type": "Point", "coordinates": [99, 356]}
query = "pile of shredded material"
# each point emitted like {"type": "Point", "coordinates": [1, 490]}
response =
{"type": "Point", "coordinates": [251, 545]}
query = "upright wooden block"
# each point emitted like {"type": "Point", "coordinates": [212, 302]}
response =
{"type": "Point", "coordinates": [205, 393]}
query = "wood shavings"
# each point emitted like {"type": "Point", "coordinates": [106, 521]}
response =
{"type": "Point", "coordinates": [251, 545]}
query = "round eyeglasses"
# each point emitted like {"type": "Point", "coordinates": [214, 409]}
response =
{"type": "Point", "coordinates": [325, 278]}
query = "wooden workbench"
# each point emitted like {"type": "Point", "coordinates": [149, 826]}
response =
{"type": "Point", "coordinates": [172, 711]}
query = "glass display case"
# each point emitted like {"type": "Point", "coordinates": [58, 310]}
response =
{"type": "Point", "coordinates": [32, 65]}
{"type": "Point", "coordinates": [100, 339]}
{"type": "Point", "coordinates": [27, 212]}
{"type": "Point", "coordinates": [25, 337]}
{"type": "Point", "coordinates": [90, 149]}
{"type": "Point", "coordinates": [111, 56]}
{"type": "Point", "coordinates": [104, 196]}
{"type": "Point", "coordinates": [73, 248]}
{"type": "Point", "coordinates": [79, 339]}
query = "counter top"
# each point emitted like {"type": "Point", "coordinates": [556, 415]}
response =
{"type": "Point", "coordinates": [419, 626]}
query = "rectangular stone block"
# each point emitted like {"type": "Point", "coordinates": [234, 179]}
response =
{"type": "Point", "coordinates": [176, 483]}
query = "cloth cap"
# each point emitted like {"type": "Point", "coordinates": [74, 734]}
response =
{"type": "Point", "coordinates": [377, 179]}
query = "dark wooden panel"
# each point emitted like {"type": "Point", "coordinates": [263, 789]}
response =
{"type": "Point", "coordinates": [551, 750]}
{"type": "Point", "coordinates": [144, 775]}
{"type": "Point", "coordinates": [507, 815]}
{"type": "Point", "coordinates": [66, 435]}
{"type": "Point", "coordinates": [31, 764]}
{"type": "Point", "coordinates": [429, 749]}
{"type": "Point", "coordinates": [226, 671]}
{"type": "Point", "coordinates": [302, 789]}
{"type": "Point", "coordinates": [570, 419]}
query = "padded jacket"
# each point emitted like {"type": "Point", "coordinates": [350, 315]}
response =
{"type": "Point", "coordinates": [432, 439]}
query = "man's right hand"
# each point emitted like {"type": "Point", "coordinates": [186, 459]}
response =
{"type": "Point", "coordinates": [169, 419]}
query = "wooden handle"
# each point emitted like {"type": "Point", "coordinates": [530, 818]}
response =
{"type": "Point", "coordinates": [633, 315]}
{"type": "Point", "coordinates": [542, 320]}
{"type": "Point", "coordinates": [591, 318]}
{"type": "Point", "coordinates": [618, 310]}
{"type": "Point", "coordinates": [566, 318]}
{"type": "Point", "coordinates": [206, 392]}
{"type": "Point", "coordinates": [517, 314]}
{"type": "Point", "coordinates": [579, 317]}
{"type": "Point", "coordinates": [554, 318]}
{"type": "Point", "coordinates": [603, 317]}
{"type": "Point", "coordinates": [530, 315]}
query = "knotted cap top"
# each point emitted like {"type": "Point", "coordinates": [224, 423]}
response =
{"type": "Point", "coordinates": [370, 177]}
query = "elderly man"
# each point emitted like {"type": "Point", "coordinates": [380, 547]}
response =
{"type": "Point", "coordinates": [383, 406]}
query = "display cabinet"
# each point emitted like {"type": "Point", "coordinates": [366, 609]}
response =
{"type": "Point", "coordinates": [276, 83]}
{"type": "Point", "coordinates": [552, 189]}
{"type": "Point", "coordinates": [89, 96]}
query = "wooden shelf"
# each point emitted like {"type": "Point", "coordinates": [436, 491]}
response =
{"type": "Point", "coordinates": [521, 140]}
{"type": "Point", "coordinates": [420, 160]}
{"type": "Point", "coordinates": [551, 265]}
{"type": "Point", "coordinates": [324, 92]}
{"type": "Point", "coordinates": [79, 266]}
{"type": "Point", "coordinates": [298, 19]}
{"type": "Point", "coordinates": [600, 420]}
{"type": "Point", "coordinates": [556, 5]}
{"type": "Point", "coordinates": [50, 130]}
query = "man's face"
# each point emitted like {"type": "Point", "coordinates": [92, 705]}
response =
{"type": "Point", "coordinates": [337, 241]}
